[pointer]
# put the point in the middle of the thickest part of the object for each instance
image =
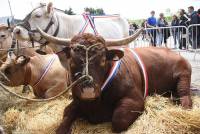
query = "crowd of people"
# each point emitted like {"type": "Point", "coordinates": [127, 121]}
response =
{"type": "Point", "coordinates": [159, 36]}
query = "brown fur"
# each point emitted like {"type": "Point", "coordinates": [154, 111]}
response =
{"type": "Point", "coordinates": [122, 101]}
{"type": "Point", "coordinates": [54, 81]}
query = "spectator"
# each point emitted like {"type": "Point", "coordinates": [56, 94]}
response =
{"type": "Point", "coordinates": [193, 31]}
{"type": "Point", "coordinates": [175, 31]}
{"type": "Point", "coordinates": [135, 26]}
{"type": "Point", "coordinates": [193, 15]}
{"type": "Point", "coordinates": [151, 23]}
{"type": "Point", "coordinates": [131, 29]}
{"type": "Point", "coordinates": [183, 21]}
{"type": "Point", "coordinates": [163, 33]}
{"type": "Point", "coordinates": [144, 33]}
{"type": "Point", "coordinates": [198, 12]}
{"type": "Point", "coordinates": [144, 24]}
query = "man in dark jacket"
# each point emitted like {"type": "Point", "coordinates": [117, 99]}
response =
{"type": "Point", "coordinates": [183, 21]}
{"type": "Point", "coordinates": [198, 12]}
{"type": "Point", "coordinates": [193, 31]}
{"type": "Point", "coordinates": [198, 36]}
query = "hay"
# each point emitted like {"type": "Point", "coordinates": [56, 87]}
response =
{"type": "Point", "coordinates": [36, 118]}
{"type": "Point", "coordinates": [159, 117]}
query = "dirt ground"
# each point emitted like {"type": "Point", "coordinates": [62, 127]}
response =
{"type": "Point", "coordinates": [6, 101]}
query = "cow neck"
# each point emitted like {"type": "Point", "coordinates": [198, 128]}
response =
{"type": "Point", "coordinates": [47, 29]}
{"type": "Point", "coordinates": [34, 82]}
{"type": "Point", "coordinates": [143, 69]}
{"type": "Point", "coordinates": [45, 70]}
{"type": "Point", "coordinates": [114, 67]}
{"type": "Point", "coordinates": [111, 71]}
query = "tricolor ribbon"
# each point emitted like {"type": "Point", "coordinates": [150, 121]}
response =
{"type": "Point", "coordinates": [46, 69]}
{"type": "Point", "coordinates": [141, 64]}
{"type": "Point", "coordinates": [89, 20]}
{"type": "Point", "coordinates": [115, 69]}
{"type": "Point", "coordinates": [112, 74]}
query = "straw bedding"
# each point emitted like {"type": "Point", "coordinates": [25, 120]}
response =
{"type": "Point", "coordinates": [161, 116]}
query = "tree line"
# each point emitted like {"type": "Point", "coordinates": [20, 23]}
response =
{"type": "Point", "coordinates": [92, 11]}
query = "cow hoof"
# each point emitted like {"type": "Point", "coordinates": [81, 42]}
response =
{"type": "Point", "coordinates": [118, 128]}
{"type": "Point", "coordinates": [186, 102]}
{"type": "Point", "coordinates": [62, 130]}
{"type": "Point", "coordinates": [26, 89]}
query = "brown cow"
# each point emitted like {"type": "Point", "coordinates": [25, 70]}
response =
{"type": "Point", "coordinates": [7, 42]}
{"type": "Point", "coordinates": [43, 89]}
{"type": "Point", "coordinates": [43, 72]}
{"type": "Point", "coordinates": [122, 99]}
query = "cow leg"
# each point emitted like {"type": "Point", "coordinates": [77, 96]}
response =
{"type": "Point", "coordinates": [70, 115]}
{"type": "Point", "coordinates": [55, 90]}
{"type": "Point", "coordinates": [183, 89]}
{"type": "Point", "coordinates": [127, 111]}
{"type": "Point", "coordinates": [26, 89]}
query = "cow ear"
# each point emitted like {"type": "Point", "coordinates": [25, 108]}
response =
{"type": "Point", "coordinates": [49, 7]}
{"type": "Point", "coordinates": [22, 60]}
{"type": "Point", "coordinates": [114, 54]}
{"type": "Point", "coordinates": [67, 51]}
{"type": "Point", "coordinates": [10, 29]}
{"type": "Point", "coordinates": [11, 55]}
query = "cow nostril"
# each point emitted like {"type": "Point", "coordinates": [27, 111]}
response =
{"type": "Point", "coordinates": [3, 36]}
{"type": "Point", "coordinates": [17, 31]}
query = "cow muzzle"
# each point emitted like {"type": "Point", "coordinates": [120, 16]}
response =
{"type": "Point", "coordinates": [21, 33]}
{"type": "Point", "coordinates": [88, 93]}
{"type": "Point", "coordinates": [88, 88]}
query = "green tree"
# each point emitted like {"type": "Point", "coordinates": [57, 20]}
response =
{"type": "Point", "coordinates": [69, 11]}
{"type": "Point", "coordinates": [93, 11]}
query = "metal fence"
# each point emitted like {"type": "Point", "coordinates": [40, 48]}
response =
{"type": "Point", "coordinates": [185, 40]}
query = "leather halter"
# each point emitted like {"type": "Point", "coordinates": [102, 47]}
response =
{"type": "Point", "coordinates": [47, 29]}
{"type": "Point", "coordinates": [25, 24]}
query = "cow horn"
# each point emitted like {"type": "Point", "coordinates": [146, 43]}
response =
{"type": "Point", "coordinates": [124, 41]}
{"type": "Point", "coordinates": [56, 40]}
{"type": "Point", "coordinates": [8, 23]}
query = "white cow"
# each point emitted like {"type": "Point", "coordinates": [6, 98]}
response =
{"type": "Point", "coordinates": [59, 24]}
{"type": "Point", "coordinates": [5, 40]}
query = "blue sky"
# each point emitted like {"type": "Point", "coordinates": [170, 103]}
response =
{"type": "Point", "coordinates": [134, 9]}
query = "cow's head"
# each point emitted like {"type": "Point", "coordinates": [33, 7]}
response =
{"type": "Point", "coordinates": [89, 56]}
{"type": "Point", "coordinates": [40, 16]}
{"type": "Point", "coordinates": [92, 56]}
{"type": "Point", "coordinates": [13, 70]}
{"type": "Point", "coordinates": [5, 32]}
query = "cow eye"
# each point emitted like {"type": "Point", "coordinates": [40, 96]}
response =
{"type": "Point", "coordinates": [76, 49]}
{"type": "Point", "coordinates": [77, 75]}
{"type": "Point", "coordinates": [37, 15]}
{"type": "Point", "coordinates": [94, 49]}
